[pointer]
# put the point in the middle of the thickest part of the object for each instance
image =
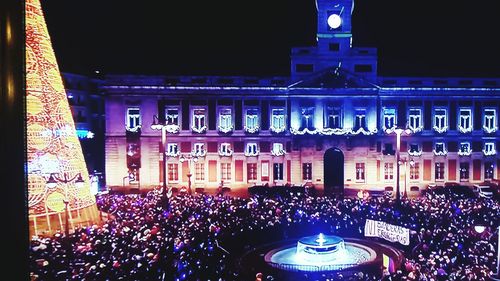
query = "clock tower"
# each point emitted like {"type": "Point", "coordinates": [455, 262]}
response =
{"type": "Point", "coordinates": [334, 45]}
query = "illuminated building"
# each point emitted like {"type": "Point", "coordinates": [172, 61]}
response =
{"type": "Point", "coordinates": [55, 163]}
{"type": "Point", "coordinates": [324, 125]}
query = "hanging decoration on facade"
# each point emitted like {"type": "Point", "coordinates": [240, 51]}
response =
{"type": "Point", "coordinates": [252, 130]}
{"type": "Point", "coordinates": [336, 131]}
{"type": "Point", "coordinates": [251, 149]}
{"type": "Point", "coordinates": [489, 149]}
{"type": "Point", "coordinates": [464, 130]}
{"type": "Point", "coordinates": [65, 182]}
{"type": "Point", "coordinates": [225, 129]}
{"type": "Point", "coordinates": [440, 149]}
{"type": "Point", "coordinates": [440, 130]}
{"type": "Point", "coordinates": [490, 130]}
{"type": "Point", "coordinates": [464, 149]}
{"type": "Point", "coordinates": [134, 129]}
{"type": "Point", "coordinates": [278, 150]}
{"type": "Point", "coordinates": [303, 131]}
{"type": "Point", "coordinates": [199, 130]}
{"type": "Point", "coordinates": [225, 149]}
{"type": "Point", "coordinates": [277, 130]}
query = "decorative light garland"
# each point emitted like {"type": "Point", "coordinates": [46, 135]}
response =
{"type": "Point", "coordinates": [415, 153]}
{"type": "Point", "coordinates": [416, 130]}
{"type": "Point", "coordinates": [200, 153]}
{"type": "Point", "coordinates": [490, 130]}
{"type": "Point", "coordinates": [466, 152]}
{"type": "Point", "coordinates": [440, 130]}
{"type": "Point", "coordinates": [334, 131]}
{"type": "Point", "coordinates": [134, 129]}
{"type": "Point", "coordinates": [303, 131]}
{"type": "Point", "coordinates": [199, 130]}
{"type": "Point", "coordinates": [252, 130]}
{"type": "Point", "coordinates": [276, 129]}
{"type": "Point", "coordinates": [280, 152]}
{"type": "Point", "coordinates": [440, 153]}
{"type": "Point", "coordinates": [248, 153]}
{"type": "Point", "coordinates": [464, 130]}
{"type": "Point", "coordinates": [225, 130]}
{"type": "Point", "coordinates": [227, 152]}
{"type": "Point", "coordinates": [493, 151]}
{"type": "Point", "coordinates": [363, 131]}
{"type": "Point", "coordinates": [173, 154]}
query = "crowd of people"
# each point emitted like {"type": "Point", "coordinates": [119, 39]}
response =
{"type": "Point", "coordinates": [199, 237]}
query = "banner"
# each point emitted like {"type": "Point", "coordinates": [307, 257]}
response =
{"type": "Point", "coordinates": [389, 232]}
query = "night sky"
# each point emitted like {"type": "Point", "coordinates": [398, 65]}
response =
{"type": "Point", "coordinates": [219, 37]}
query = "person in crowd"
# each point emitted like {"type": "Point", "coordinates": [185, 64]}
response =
{"type": "Point", "coordinates": [142, 241]}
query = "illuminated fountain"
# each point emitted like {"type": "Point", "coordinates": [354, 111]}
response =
{"type": "Point", "coordinates": [320, 253]}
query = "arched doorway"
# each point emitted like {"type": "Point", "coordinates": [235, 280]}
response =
{"type": "Point", "coordinates": [333, 168]}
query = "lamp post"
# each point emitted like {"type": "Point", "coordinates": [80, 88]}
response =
{"type": "Point", "coordinates": [398, 132]}
{"type": "Point", "coordinates": [52, 183]}
{"type": "Point", "coordinates": [190, 158]}
{"type": "Point", "coordinates": [411, 163]}
{"type": "Point", "coordinates": [163, 127]}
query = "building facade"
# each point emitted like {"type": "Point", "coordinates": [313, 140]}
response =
{"type": "Point", "coordinates": [87, 107]}
{"type": "Point", "coordinates": [330, 123]}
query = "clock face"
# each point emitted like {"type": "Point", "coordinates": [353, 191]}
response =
{"type": "Point", "coordinates": [334, 21]}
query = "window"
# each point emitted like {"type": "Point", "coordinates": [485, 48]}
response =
{"type": "Point", "coordinates": [277, 149]}
{"type": "Point", "coordinates": [199, 149]}
{"type": "Point", "coordinates": [307, 118]}
{"type": "Point", "coordinates": [488, 170]}
{"type": "Point", "coordinates": [440, 149]}
{"type": "Point", "coordinates": [199, 120]}
{"type": "Point", "coordinates": [465, 120]}
{"type": "Point", "coordinates": [333, 115]}
{"type": "Point", "coordinates": [414, 150]}
{"type": "Point", "coordinates": [389, 118]}
{"type": "Point", "coordinates": [199, 171]}
{"type": "Point", "coordinates": [360, 119]}
{"type": "Point", "coordinates": [251, 149]}
{"type": "Point", "coordinates": [415, 171]}
{"type": "Point", "coordinates": [225, 120]}
{"type": "Point", "coordinates": [307, 171]}
{"type": "Point", "coordinates": [464, 149]}
{"type": "Point", "coordinates": [439, 171]}
{"type": "Point", "coordinates": [172, 116]}
{"type": "Point", "coordinates": [388, 171]}
{"type": "Point", "coordinates": [252, 120]}
{"type": "Point", "coordinates": [278, 171]}
{"type": "Point", "coordinates": [252, 171]}
{"type": "Point", "coordinates": [464, 171]}
{"type": "Point", "coordinates": [172, 119]}
{"type": "Point", "coordinates": [440, 120]}
{"type": "Point", "coordinates": [277, 120]}
{"type": "Point", "coordinates": [133, 119]}
{"type": "Point", "coordinates": [388, 149]}
{"type": "Point", "coordinates": [173, 171]}
{"type": "Point", "coordinates": [225, 149]}
{"type": "Point", "coordinates": [489, 149]}
{"type": "Point", "coordinates": [415, 119]}
{"type": "Point", "coordinates": [489, 121]}
{"type": "Point", "coordinates": [360, 172]}
{"type": "Point", "coordinates": [173, 149]}
{"type": "Point", "coordinates": [225, 171]}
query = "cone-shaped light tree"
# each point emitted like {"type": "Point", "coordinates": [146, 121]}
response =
{"type": "Point", "coordinates": [59, 196]}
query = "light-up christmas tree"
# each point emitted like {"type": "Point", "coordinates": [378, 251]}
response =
{"type": "Point", "coordinates": [58, 180]}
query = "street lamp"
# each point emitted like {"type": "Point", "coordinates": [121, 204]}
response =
{"type": "Point", "coordinates": [163, 127]}
{"type": "Point", "coordinates": [398, 132]}
{"type": "Point", "coordinates": [190, 158]}
{"type": "Point", "coordinates": [406, 162]}
{"type": "Point", "coordinates": [52, 183]}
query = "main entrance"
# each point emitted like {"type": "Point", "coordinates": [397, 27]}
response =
{"type": "Point", "coordinates": [334, 171]}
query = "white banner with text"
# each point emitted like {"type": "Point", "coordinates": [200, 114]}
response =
{"type": "Point", "coordinates": [389, 232]}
